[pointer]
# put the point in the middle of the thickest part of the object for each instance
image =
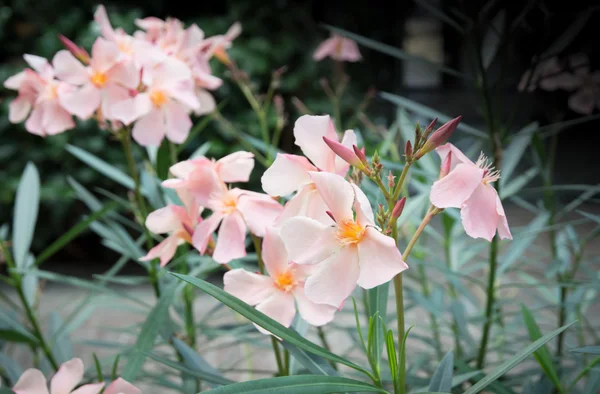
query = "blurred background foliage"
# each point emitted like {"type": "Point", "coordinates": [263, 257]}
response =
{"type": "Point", "coordinates": [276, 33]}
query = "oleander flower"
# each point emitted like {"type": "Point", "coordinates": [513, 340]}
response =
{"type": "Point", "coordinates": [291, 173]}
{"type": "Point", "coordinates": [351, 251]}
{"type": "Point", "coordinates": [178, 221]}
{"type": "Point", "coordinates": [217, 45]}
{"type": "Point", "coordinates": [121, 386]}
{"type": "Point", "coordinates": [338, 48]}
{"type": "Point", "coordinates": [281, 293]}
{"type": "Point", "coordinates": [468, 186]}
{"type": "Point", "coordinates": [39, 99]}
{"type": "Point", "coordinates": [64, 381]}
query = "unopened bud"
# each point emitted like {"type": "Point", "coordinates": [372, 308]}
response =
{"type": "Point", "coordinates": [430, 127]}
{"type": "Point", "coordinates": [418, 134]}
{"type": "Point", "coordinates": [440, 136]}
{"type": "Point", "coordinates": [343, 152]}
{"type": "Point", "coordinates": [300, 106]}
{"type": "Point", "coordinates": [330, 214]}
{"type": "Point", "coordinates": [80, 53]}
{"type": "Point", "coordinates": [398, 208]}
{"type": "Point", "coordinates": [278, 104]}
{"type": "Point", "coordinates": [360, 153]}
{"type": "Point", "coordinates": [408, 151]}
{"type": "Point", "coordinates": [391, 180]}
{"type": "Point", "coordinates": [445, 169]}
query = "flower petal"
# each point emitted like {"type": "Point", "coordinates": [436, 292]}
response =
{"type": "Point", "coordinates": [67, 68]}
{"type": "Point", "coordinates": [340, 165]}
{"type": "Point", "coordinates": [204, 231]}
{"type": "Point", "coordinates": [101, 18]}
{"type": "Point", "coordinates": [178, 123]}
{"type": "Point", "coordinates": [67, 377]}
{"type": "Point", "coordinates": [31, 382]}
{"type": "Point", "coordinates": [121, 386]}
{"type": "Point", "coordinates": [315, 314]}
{"type": "Point", "coordinates": [14, 82]}
{"type": "Point", "coordinates": [337, 193]}
{"type": "Point", "coordinates": [207, 102]}
{"type": "Point", "coordinates": [335, 278]}
{"type": "Point", "coordinates": [247, 286]}
{"type": "Point", "coordinates": [325, 48]}
{"type": "Point", "coordinates": [259, 210]}
{"type": "Point", "coordinates": [503, 230]}
{"type": "Point", "coordinates": [163, 220]}
{"type": "Point", "coordinates": [287, 174]}
{"type": "Point", "coordinates": [457, 156]}
{"type": "Point", "coordinates": [132, 108]}
{"type": "Point", "coordinates": [230, 242]}
{"type": "Point", "coordinates": [307, 202]}
{"type": "Point", "coordinates": [93, 388]}
{"type": "Point", "coordinates": [18, 109]}
{"type": "Point", "coordinates": [56, 119]}
{"type": "Point", "coordinates": [479, 214]}
{"type": "Point", "coordinates": [34, 122]}
{"type": "Point", "coordinates": [236, 167]}
{"type": "Point", "coordinates": [309, 132]}
{"type": "Point", "coordinates": [165, 250]}
{"type": "Point", "coordinates": [125, 74]}
{"type": "Point", "coordinates": [150, 129]}
{"type": "Point", "coordinates": [105, 55]}
{"type": "Point", "coordinates": [308, 241]}
{"type": "Point", "coordinates": [582, 101]}
{"type": "Point", "coordinates": [349, 51]}
{"type": "Point", "coordinates": [380, 259]}
{"type": "Point", "coordinates": [456, 187]}
{"type": "Point", "coordinates": [274, 253]}
{"type": "Point", "coordinates": [81, 102]}
{"type": "Point", "coordinates": [280, 307]}
{"type": "Point", "coordinates": [362, 206]}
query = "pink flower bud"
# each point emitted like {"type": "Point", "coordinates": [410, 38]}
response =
{"type": "Point", "coordinates": [78, 52]}
{"type": "Point", "coordinates": [439, 137]}
{"type": "Point", "coordinates": [408, 151]}
{"type": "Point", "coordinates": [398, 208]}
{"type": "Point", "coordinates": [345, 153]}
{"type": "Point", "coordinates": [330, 214]}
{"type": "Point", "coordinates": [360, 153]}
{"type": "Point", "coordinates": [445, 169]}
{"type": "Point", "coordinates": [391, 180]}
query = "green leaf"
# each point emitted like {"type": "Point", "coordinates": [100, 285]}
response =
{"type": "Point", "coordinates": [301, 384]}
{"type": "Point", "coordinates": [27, 203]}
{"type": "Point", "coordinates": [441, 381]}
{"type": "Point", "coordinates": [11, 368]}
{"type": "Point", "coordinates": [193, 360]}
{"type": "Point", "coordinates": [102, 167]}
{"type": "Point", "coordinates": [430, 113]}
{"type": "Point", "coordinates": [523, 241]}
{"type": "Point", "coordinates": [62, 348]}
{"type": "Point", "coordinates": [12, 331]}
{"type": "Point", "coordinates": [513, 361]}
{"type": "Point", "coordinates": [378, 300]}
{"type": "Point", "coordinates": [514, 151]}
{"type": "Point", "coordinates": [209, 377]}
{"type": "Point", "coordinates": [314, 364]}
{"type": "Point", "coordinates": [73, 233]}
{"type": "Point", "coordinates": [163, 160]}
{"type": "Point", "coordinates": [518, 183]}
{"type": "Point", "coordinates": [586, 349]}
{"type": "Point", "coordinates": [157, 318]}
{"type": "Point", "coordinates": [266, 322]}
{"type": "Point", "coordinates": [392, 359]}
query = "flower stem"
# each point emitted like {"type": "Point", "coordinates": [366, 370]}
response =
{"type": "Point", "coordinates": [325, 344]}
{"type": "Point", "coordinates": [454, 296]}
{"type": "Point", "coordinates": [489, 309]}
{"type": "Point", "coordinates": [434, 323]}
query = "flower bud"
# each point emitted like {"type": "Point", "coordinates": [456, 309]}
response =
{"type": "Point", "coordinates": [345, 153]}
{"type": "Point", "coordinates": [360, 153]}
{"type": "Point", "coordinates": [80, 53]}
{"type": "Point", "coordinates": [445, 169]}
{"type": "Point", "coordinates": [330, 214]}
{"type": "Point", "coordinates": [398, 208]}
{"type": "Point", "coordinates": [430, 127]}
{"type": "Point", "coordinates": [408, 151]}
{"type": "Point", "coordinates": [439, 137]}
{"type": "Point", "coordinates": [391, 181]}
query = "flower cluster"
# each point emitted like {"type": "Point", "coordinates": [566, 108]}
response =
{"type": "Point", "coordinates": [68, 376]}
{"type": "Point", "coordinates": [575, 76]}
{"type": "Point", "coordinates": [151, 80]}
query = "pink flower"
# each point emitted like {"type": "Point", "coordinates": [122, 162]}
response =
{"type": "Point", "coordinates": [179, 222]}
{"type": "Point", "coordinates": [39, 99]}
{"type": "Point", "coordinates": [547, 75]}
{"type": "Point", "coordinates": [338, 48]}
{"type": "Point", "coordinates": [350, 252]}
{"type": "Point", "coordinates": [468, 187]}
{"type": "Point", "coordinates": [218, 45]}
{"type": "Point", "coordinates": [102, 84]}
{"type": "Point", "coordinates": [124, 42]}
{"type": "Point", "coordinates": [290, 173]}
{"type": "Point", "coordinates": [121, 386]}
{"type": "Point", "coordinates": [585, 83]}
{"type": "Point", "coordinates": [162, 110]}
{"type": "Point", "coordinates": [64, 381]}
{"type": "Point", "coordinates": [276, 295]}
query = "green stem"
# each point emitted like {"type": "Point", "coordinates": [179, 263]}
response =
{"type": "Point", "coordinates": [280, 366]}
{"type": "Point", "coordinates": [584, 372]}
{"type": "Point", "coordinates": [454, 296]}
{"type": "Point", "coordinates": [325, 344]}
{"type": "Point", "coordinates": [489, 309]}
{"type": "Point", "coordinates": [172, 152]}
{"type": "Point", "coordinates": [190, 327]}
{"type": "Point", "coordinates": [434, 323]}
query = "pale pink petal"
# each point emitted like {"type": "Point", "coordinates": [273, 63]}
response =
{"type": "Point", "coordinates": [183, 169]}
{"type": "Point", "coordinates": [341, 166]}
{"type": "Point", "coordinates": [34, 122]}
{"type": "Point", "coordinates": [337, 193]}
{"type": "Point", "coordinates": [231, 240]}
{"type": "Point", "coordinates": [274, 254]}
{"type": "Point", "coordinates": [204, 182]}
{"type": "Point", "coordinates": [150, 129]}
{"type": "Point", "coordinates": [479, 213]}
{"type": "Point", "coordinates": [204, 231]}
{"type": "Point", "coordinates": [163, 220]}
{"type": "Point", "coordinates": [380, 259]}
{"type": "Point", "coordinates": [94, 388]}
{"type": "Point", "coordinates": [287, 174]}
{"type": "Point", "coordinates": [503, 230]}
{"type": "Point", "coordinates": [121, 386]}
{"type": "Point", "coordinates": [165, 250]}
{"type": "Point", "coordinates": [309, 131]}
{"type": "Point", "coordinates": [18, 109]}
{"type": "Point", "coordinates": [131, 108]}
{"type": "Point", "coordinates": [56, 119]}
{"type": "Point", "coordinates": [67, 68]}
{"type": "Point", "coordinates": [362, 206]}
{"type": "Point", "coordinates": [14, 82]}
{"type": "Point", "coordinates": [308, 241]}
{"type": "Point", "coordinates": [455, 188]}
{"type": "Point", "coordinates": [335, 278]}
{"type": "Point", "coordinates": [326, 48]}
{"type": "Point", "coordinates": [207, 102]}
{"type": "Point", "coordinates": [279, 307]}
{"type": "Point", "coordinates": [247, 286]}
{"type": "Point", "coordinates": [234, 31]}
{"type": "Point", "coordinates": [192, 207]}
{"type": "Point", "coordinates": [31, 382]}
{"type": "Point", "coordinates": [178, 123]}
{"type": "Point", "coordinates": [315, 314]}
{"type": "Point", "coordinates": [259, 210]}
{"type": "Point", "coordinates": [457, 156]}
{"type": "Point", "coordinates": [307, 202]}
{"type": "Point", "coordinates": [582, 101]}
{"type": "Point", "coordinates": [183, 91]}
{"type": "Point", "coordinates": [67, 377]}
{"type": "Point", "coordinates": [236, 167]}
{"type": "Point", "coordinates": [101, 18]}
{"type": "Point", "coordinates": [82, 102]}
{"type": "Point", "coordinates": [40, 65]}
{"type": "Point", "coordinates": [125, 74]}
{"type": "Point", "coordinates": [349, 51]}
{"type": "Point", "coordinates": [105, 54]}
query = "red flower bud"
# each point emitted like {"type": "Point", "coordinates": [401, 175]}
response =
{"type": "Point", "coordinates": [398, 208]}
{"type": "Point", "coordinates": [78, 52]}
{"type": "Point", "coordinates": [360, 153]}
{"type": "Point", "coordinates": [345, 153]}
{"type": "Point", "coordinates": [408, 151]}
{"type": "Point", "coordinates": [439, 137]}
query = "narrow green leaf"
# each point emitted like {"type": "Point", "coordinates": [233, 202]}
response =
{"type": "Point", "coordinates": [102, 167]}
{"type": "Point", "coordinates": [522, 242]}
{"type": "Point", "coordinates": [266, 322]}
{"type": "Point", "coordinates": [157, 318]}
{"type": "Point", "coordinates": [27, 203]}
{"type": "Point", "coordinates": [73, 233]}
{"type": "Point", "coordinates": [163, 160]}
{"type": "Point", "coordinates": [62, 348]}
{"type": "Point", "coordinates": [11, 368]}
{"type": "Point", "coordinates": [586, 349]}
{"type": "Point", "coordinates": [515, 150]}
{"type": "Point", "coordinates": [392, 359]}
{"type": "Point", "coordinates": [513, 361]}
{"type": "Point", "coordinates": [441, 381]}
{"type": "Point", "coordinates": [301, 384]}
{"type": "Point", "coordinates": [193, 360]}
{"type": "Point", "coordinates": [12, 331]}
{"type": "Point", "coordinates": [314, 364]}
{"type": "Point", "coordinates": [518, 183]}
{"type": "Point", "coordinates": [402, 361]}
{"type": "Point", "coordinates": [99, 374]}
{"type": "Point", "coordinates": [378, 300]}
{"type": "Point", "coordinates": [209, 377]}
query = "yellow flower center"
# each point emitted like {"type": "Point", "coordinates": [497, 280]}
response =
{"type": "Point", "coordinates": [350, 232]}
{"type": "Point", "coordinates": [229, 205]}
{"type": "Point", "coordinates": [125, 47]}
{"type": "Point", "coordinates": [186, 236]}
{"type": "Point", "coordinates": [285, 281]}
{"type": "Point", "coordinates": [158, 98]}
{"type": "Point", "coordinates": [221, 54]}
{"type": "Point", "coordinates": [99, 79]}
{"type": "Point", "coordinates": [51, 91]}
